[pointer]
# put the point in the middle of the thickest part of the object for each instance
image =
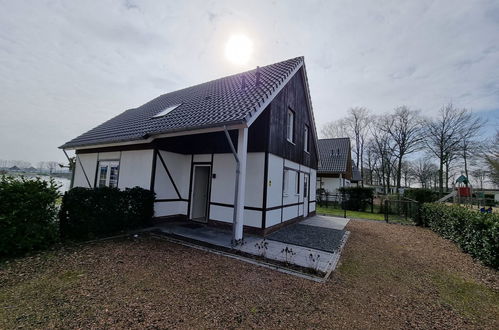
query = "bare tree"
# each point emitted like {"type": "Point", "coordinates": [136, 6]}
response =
{"type": "Point", "coordinates": [358, 121]}
{"type": "Point", "coordinates": [335, 129]}
{"type": "Point", "coordinates": [443, 135]}
{"type": "Point", "coordinates": [492, 159]}
{"type": "Point", "coordinates": [422, 170]}
{"type": "Point", "coordinates": [52, 166]}
{"type": "Point", "coordinates": [480, 175]}
{"type": "Point", "coordinates": [405, 129]}
{"type": "Point", "coordinates": [382, 150]}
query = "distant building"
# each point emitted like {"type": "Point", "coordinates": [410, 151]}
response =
{"type": "Point", "coordinates": [336, 167]}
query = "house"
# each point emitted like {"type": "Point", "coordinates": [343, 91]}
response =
{"type": "Point", "coordinates": [356, 175]}
{"type": "Point", "coordinates": [242, 148]}
{"type": "Point", "coordinates": [336, 168]}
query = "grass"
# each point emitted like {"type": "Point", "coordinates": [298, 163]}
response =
{"type": "Point", "coordinates": [472, 300]}
{"type": "Point", "coordinates": [350, 214]}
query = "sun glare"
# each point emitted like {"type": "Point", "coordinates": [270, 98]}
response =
{"type": "Point", "coordinates": [238, 49]}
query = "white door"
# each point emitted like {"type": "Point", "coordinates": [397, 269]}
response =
{"type": "Point", "coordinates": [200, 192]}
{"type": "Point", "coordinates": [306, 193]}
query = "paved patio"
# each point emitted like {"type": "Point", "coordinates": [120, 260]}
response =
{"type": "Point", "coordinates": [314, 243]}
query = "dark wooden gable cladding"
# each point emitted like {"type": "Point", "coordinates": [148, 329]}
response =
{"type": "Point", "coordinates": [216, 142]}
{"type": "Point", "coordinates": [293, 97]}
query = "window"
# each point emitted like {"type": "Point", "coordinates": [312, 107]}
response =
{"type": "Point", "coordinates": [166, 111]}
{"type": "Point", "coordinates": [285, 184]}
{"type": "Point", "coordinates": [108, 173]}
{"type": "Point", "coordinates": [305, 184]}
{"type": "Point", "coordinates": [297, 183]}
{"type": "Point", "coordinates": [290, 128]}
{"type": "Point", "coordinates": [305, 139]}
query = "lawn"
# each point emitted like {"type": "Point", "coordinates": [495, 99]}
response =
{"type": "Point", "coordinates": [390, 276]}
{"type": "Point", "coordinates": [350, 214]}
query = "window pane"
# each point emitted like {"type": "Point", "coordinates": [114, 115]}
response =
{"type": "Point", "coordinates": [102, 175]}
{"type": "Point", "coordinates": [285, 185]}
{"type": "Point", "coordinates": [290, 125]}
{"type": "Point", "coordinates": [305, 138]}
{"type": "Point", "coordinates": [297, 183]}
{"type": "Point", "coordinates": [113, 177]}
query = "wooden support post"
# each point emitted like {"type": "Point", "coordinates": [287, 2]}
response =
{"type": "Point", "coordinates": [242, 152]}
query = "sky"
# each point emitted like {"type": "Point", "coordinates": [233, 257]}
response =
{"type": "Point", "coordinates": [67, 66]}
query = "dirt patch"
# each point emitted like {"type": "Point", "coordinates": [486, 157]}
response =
{"type": "Point", "coordinates": [391, 276]}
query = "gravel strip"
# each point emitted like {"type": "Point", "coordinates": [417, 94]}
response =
{"type": "Point", "coordinates": [390, 276]}
{"type": "Point", "coordinates": [320, 238]}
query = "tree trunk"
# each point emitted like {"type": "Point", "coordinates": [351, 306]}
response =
{"type": "Point", "coordinates": [441, 176]}
{"type": "Point", "coordinates": [465, 163]}
{"type": "Point", "coordinates": [399, 174]}
{"type": "Point", "coordinates": [446, 176]}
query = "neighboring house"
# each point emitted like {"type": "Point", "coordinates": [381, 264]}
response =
{"type": "Point", "coordinates": [356, 175]}
{"type": "Point", "coordinates": [183, 145]}
{"type": "Point", "coordinates": [336, 165]}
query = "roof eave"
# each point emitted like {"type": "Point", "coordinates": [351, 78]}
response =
{"type": "Point", "coordinates": [170, 133]}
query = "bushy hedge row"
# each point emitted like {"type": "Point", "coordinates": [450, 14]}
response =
{"type": "Point", "coordinates": [28, 215]}
{"type": "Point", "coordinates": [476, 233]}
{"type": "Point", "coordinates": [89, 213]}
{"type": "Point", "coordinates": [356, 198]}
{"type": "Point", "coordinates": [422, 195]}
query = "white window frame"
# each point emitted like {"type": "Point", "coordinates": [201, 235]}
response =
{"type": "Point", "coordinates": [285, 185]}
{"type": "Point", "coordinates": [290, 126]}
{"type": "Point", "coordinates": [297, 183]}
{"type": "Point", "coordinates": [109, 165]}
{"type": "Point", "coordinates": [305, 139]}
{"type": "Point", "coordinates": [166, 111]}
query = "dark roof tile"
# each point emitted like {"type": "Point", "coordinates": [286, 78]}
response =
{"type": "Point", "coordinates": [334, 154]}
{"type": "Point", "coordinates": [215, 103]}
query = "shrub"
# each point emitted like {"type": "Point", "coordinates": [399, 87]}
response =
{"type": "Point", "coordinates": [356, 198]}
{"type": "Point", "coordinates": [28, 215]}
{"type": "Point", "coordinates": [89, 213]}
{"type": "Point", "coordinates": [476, 233]}
{"type": "Point", "coordinates": [422, 195]}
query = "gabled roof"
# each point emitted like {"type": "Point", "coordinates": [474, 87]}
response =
{"type": "Point", "coordinates": [334, 155]}
{"type": "Point", "coordinates": [212, 104]}
{"type": "Point", "coordinates": [356, 175]}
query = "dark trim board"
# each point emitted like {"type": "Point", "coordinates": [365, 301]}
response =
{"type": "Point", "coordinates": [126, 147]}
{"type": "Point", "coordinates": [153, 170]}
{"type": "Point", "coordinates": [258, 208]}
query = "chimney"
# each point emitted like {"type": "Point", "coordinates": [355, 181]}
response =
{"type": "Point", "coordinates": [257, 74]}
{"type": "Point", "coordinates": [243, 82]}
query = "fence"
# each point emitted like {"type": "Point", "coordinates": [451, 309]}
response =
{"type": "Point", "coordinates": [402, 211]}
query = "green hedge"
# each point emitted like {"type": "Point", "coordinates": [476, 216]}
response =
{"type": "Point", "coordinates": [89, 213]}
{"type": "Point", "coordinates": [422, 195]}
{"type": "Point", "coordinates": [28, 215]}
{"type": "Point", "coordinates": [476, 233]}
{"type": "Point", "coordinates": [357, 198]}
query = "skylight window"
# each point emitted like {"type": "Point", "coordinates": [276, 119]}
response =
{"type": "Point", "coordinates": [166, 111]}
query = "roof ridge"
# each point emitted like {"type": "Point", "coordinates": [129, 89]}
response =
{"type": "Point", "coordinates": [301, 58]}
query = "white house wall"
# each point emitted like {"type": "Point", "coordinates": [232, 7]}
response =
{"type": "Point", "coordinates": [276, 197]}
{"type": "Point", "coordinates": [179, 167]}
{"type": "Point", "coordinates": [222, 188]}
{"type": "Point", "coordinates": [313, 190]}
{"type": "Point", "coordinates": [135, 168]}
{"type": "Point", "coordinates": [89, 162]}
{"type": "Point", "coordinates": [333, 184]}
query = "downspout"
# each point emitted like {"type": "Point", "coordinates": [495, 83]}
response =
{"type": "Point", "coordinates": [236, 191]}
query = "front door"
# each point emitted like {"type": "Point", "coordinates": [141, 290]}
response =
{"type": "Point", "coordinates": [200, 192]}
{"type": "Point", "coordinates": [306, 188]}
